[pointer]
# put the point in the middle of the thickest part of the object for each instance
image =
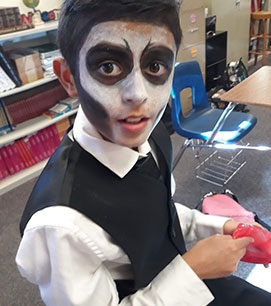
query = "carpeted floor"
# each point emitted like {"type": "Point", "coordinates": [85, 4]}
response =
{"type": "Point", "coordinates": [251, 184]}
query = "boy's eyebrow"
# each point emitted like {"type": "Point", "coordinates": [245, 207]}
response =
{"type": "Point", "coordinates": [127, 44]}
{"type": "Point", "coordinates": [147, 46]}
{"type": "Point", "coordinates": [150, 44]}
{"type": "Point", "coordinates": [109, 47]}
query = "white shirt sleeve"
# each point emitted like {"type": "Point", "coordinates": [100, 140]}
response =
{"type": "Point", "coordinates": [196, 225]}
{"type": "Point", "coordinates": [67, 256]}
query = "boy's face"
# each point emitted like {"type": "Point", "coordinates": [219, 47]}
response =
{"type": "Point", "coordinates": [124, 79]}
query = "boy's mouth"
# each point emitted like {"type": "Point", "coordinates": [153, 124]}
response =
{"type": "Point", "coordinates": [134, 120]}
{"type": "Point", "coordinates": [134, 124]}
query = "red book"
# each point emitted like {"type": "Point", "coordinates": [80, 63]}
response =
{"type": "Point", "coordinates": [18, 156]}
{"type": "Point", "coordinates": [34, 144]}
{"type": "Point", "coordinates": [22, 153]}
{"type": "Point", "coordinates": [1, 175]}
{"type": "Point", "coordinates": [49, 141]}
{"type": "Point", "coordinates": [3, 168]}
{"type": "Point", "coordinates": [32, 149]}
{"type": "Point", "coordinates": [27, 152]}
{"type": "Point", "coordinates": [40, 146]}
{"type": "Point", "coordinates": [53, 141]}
{"type": "Point", "coordinates": [13, 158]}
{"type": "Point", "coordinates": [56, 135]}
{"type": "Point", "coordinates": [44, 143]}
{"type": "Point", "coordinates": [7, 160]}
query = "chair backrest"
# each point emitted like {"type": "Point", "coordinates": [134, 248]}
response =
{"type": "Point", "coordinates": [187, 75]}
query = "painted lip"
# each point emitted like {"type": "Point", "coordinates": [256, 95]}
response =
{"type": "Point", "coordinates": [134, 124]}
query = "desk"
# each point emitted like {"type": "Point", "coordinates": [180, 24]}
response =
{"type": "Point", "coordinates": [255, 90]}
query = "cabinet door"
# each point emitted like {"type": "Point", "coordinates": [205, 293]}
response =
{"type": "Point", "coordinates": [214, 75]}
{"type": "Point", "coordinates": [193, 26]}
{"type": "Point", "coordinates": [216, 48]}
{"type": "Point", "coordinates": [195, 53]}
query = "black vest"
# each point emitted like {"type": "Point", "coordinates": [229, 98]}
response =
{"type": "Point", "coordinates": [137, 210]}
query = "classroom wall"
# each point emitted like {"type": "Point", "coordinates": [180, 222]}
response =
{"type": "Point", "coordinates": [236, 20]}
{"type": "Point", "coordinates": [44, 5]}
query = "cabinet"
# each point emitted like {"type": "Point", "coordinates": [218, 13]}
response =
{"type": "Point", "coordinates": [216, 58]}
{"type": "Point", "coordinates": [233, 17]}
{"type": "Point", "coordinates": [192, 19]}
{"type": "Point", "coordinates": [42, 34]}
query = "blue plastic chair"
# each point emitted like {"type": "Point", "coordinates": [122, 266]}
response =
{"type": "Point", "coordinates": [201, 120]}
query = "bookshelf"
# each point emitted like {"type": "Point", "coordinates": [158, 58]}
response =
{"type": "Point", "coordinates": [25, 87]}
{"type": "Point", "coordinates": [30, 126]}
{"type": "Point", "coordinates": [48, 26]}
{"type": "Point", "coordinates": [21, 177]}
{"type": "Point", "coordinates": [23, 129]}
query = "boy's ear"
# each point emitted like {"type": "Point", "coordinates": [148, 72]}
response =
{"type": "Point", "coordinates": [65, 77]}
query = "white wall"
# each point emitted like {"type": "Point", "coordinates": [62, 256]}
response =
{"type": "Point", "coordinates": [45, 5]}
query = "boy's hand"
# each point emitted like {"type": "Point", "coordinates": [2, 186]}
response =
{"type": "Point", "coordinates": [216, 256]}
{"type": "Point", "coordinates": [230, 226]}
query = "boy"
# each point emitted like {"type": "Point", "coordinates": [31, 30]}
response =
{"type": "Point", "coordinates": [100, 226]}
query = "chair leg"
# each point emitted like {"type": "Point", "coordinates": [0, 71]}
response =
{"type": "Point", "coordinates": [184, 146]}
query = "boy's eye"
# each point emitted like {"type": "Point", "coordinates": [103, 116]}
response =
{"type": "Point", "coordinates": [156, 69]}
{"type": "Point", "coordinates": [110, 69]}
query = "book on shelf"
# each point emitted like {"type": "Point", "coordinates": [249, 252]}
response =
{"type": "Point", "coordinates": [13, 157]}
{"type": "Point", "coordinates": [73, 103]}
{"type": "Point", "coordinates": [5, 123]}
{"type": "Point", "coordinates": [32, 149]}
{"type": "Point", "coordinates": [16, 28]}
{"type": "Point", "coordinates": [54, 141]}
{"type": "Point", "coordinates": [47, 50]}
{"type": "Point", "coordinates": [5, 81]}
{"type": "Point", "coordinates": [9, 17]}
{"type": "Point", "coordinates": [57, 110]}
{"type": "Point", "coordinates": [39, 146]}
{"type": "Point", "coordinates": [62, 127]}
{"type": "Point", "coordinates": [35, 149]}
{"type": "Point", "coordinates": [17, 156]}
{"type": "Point", "coordinates": [31, 107]}
{"type": "Point", "coordinates": [7, 159]}
{"type": "Point", "coordinates": [22, 153]}
{"type": "Point", "coordinates": [27, 152]}
{"type": "Point", "coordinates": [3, 168]}
{"type": "Point", "coordinates": [45, 146]}
{"type": "Point", "coordinates": [8, 67]}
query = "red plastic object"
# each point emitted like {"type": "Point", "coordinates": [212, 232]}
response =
{"type": "Point", "coordinates": [258, 252]}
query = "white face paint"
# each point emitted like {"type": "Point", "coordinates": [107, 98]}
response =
{"type": "Point", "coordinates": [127, 91]}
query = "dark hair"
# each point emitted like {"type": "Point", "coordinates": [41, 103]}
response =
{"type": "Point", "coordinates": [79, 16]}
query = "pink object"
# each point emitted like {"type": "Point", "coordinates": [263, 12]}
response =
{"type": "Point", "coordinates": [225, 206]}
{"type": "Point", "coordinates": [258, 252]}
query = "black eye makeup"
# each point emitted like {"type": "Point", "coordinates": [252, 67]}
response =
{"type": "Point", "coordinates": [109, 64]}
{"type": "Point", "coordinates": [156, 64]}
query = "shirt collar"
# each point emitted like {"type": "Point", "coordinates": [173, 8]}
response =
{"type": "Point", "coordinates": [109, 154]}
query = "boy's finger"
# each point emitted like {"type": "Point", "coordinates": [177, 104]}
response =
{"type": "Point", "coordinates": [244, 241]}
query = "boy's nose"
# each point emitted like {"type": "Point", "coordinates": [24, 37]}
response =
{"type": "Point", "coordinates": [134, 88]}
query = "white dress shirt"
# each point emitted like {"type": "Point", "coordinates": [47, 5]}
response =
{"type": "Point", "coordinates": [74, 261]}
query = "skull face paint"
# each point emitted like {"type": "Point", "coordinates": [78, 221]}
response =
{"type": "Point", "coordinates": [124, 79]}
